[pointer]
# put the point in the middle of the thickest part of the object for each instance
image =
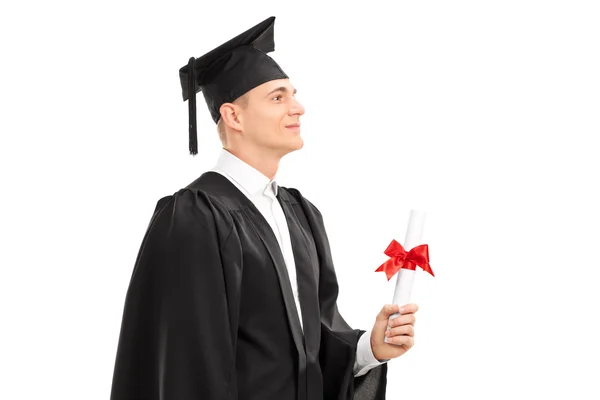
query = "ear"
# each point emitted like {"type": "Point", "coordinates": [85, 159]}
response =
{"type": "Point", "coordinates": [230, 115]}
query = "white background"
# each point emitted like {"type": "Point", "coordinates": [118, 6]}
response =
{"type": "Point", "coordinates": [485, 114]}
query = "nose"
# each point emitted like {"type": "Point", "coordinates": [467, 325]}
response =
{"type": "Point", "coordinates": [296, 108]}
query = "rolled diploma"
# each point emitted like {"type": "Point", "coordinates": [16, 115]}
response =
{"type": "Point", "coordinates": [405, 277]}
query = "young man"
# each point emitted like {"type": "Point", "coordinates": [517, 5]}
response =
{"type": "Point", "coordinates": [233, 295]}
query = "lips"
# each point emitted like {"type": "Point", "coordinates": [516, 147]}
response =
{"type": "Point", "coordinates": [293, 126]}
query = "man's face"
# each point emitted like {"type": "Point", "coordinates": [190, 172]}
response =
{"type": "Point", "coordinates": [271, 118]}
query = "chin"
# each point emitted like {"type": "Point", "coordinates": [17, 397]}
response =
{"type": "Point", "coordinates": [292, 146]}
{"type": "Point", "coordinates": [298, 143]}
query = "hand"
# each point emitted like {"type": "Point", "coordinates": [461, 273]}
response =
{"type": "Point", "coordinates": [400, 336]}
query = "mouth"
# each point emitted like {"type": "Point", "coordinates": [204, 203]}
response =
{"type": "Point", "coordinates": [293, 126]}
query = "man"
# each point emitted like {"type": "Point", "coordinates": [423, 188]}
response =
{"type": "Point", "coordinates": [233, 294]}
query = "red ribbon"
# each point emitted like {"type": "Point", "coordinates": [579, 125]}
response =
{"type": "Point", "coordinates": [417, 256]}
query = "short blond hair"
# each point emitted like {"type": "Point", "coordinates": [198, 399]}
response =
{"type": "Point", "coordinates": [242, 101]}
{"type": "Point", "coordinates": [221, 130]}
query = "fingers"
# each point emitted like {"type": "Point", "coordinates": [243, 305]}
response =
{"type": "Point", "coordinates": [403, 324]}
{"type": "Point", "coordinates": [390, 309]}
{"type": "Point", "coordinates": [403, 340]}
{"type": "Point", "coordinates": [401, 330]}
{"type": "Point", "coordinates": [409, 308]}
{"type": "Point", "coordinates": [408, 319]}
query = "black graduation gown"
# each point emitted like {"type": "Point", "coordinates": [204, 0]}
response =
{"type": "Point", "coordinates": [210, 314]}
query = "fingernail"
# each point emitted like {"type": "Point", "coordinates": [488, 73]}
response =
{"type": "Point", "coordinates": [401, 310]}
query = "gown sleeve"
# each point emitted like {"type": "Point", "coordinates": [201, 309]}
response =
{"type": "Point", "coordinates": [174, 342]}
{"type": "Point", "coordinates": [338, 340]}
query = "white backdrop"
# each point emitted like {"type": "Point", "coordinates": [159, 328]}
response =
{"type": "Point", "coordinates": [482, 113]}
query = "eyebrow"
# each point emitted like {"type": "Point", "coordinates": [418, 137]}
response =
{"type": "Point", "coordinates": [280, 89]}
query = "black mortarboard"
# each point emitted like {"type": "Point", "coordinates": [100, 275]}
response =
{"type": "Point", "coordinates": [228, 71]}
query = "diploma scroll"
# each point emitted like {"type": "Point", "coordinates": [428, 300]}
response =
{"type": "Point", "coordinates": [405, 277]}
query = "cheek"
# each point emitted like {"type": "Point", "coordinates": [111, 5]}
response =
{"type": "Point", "coordinates": [269, 125]}
{"type": "Point", "coordinates": [273, 124]}
{"type": "Point", "coordinates": [255, 123]}
{"type": "Point", "coordinates": [265, 128]}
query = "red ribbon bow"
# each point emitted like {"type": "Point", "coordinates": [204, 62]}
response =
{"type": "Point", "coordinates": [401, 259]}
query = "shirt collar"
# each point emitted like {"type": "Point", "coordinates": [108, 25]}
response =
{"type": "Point", "coordinates": [250, 179]}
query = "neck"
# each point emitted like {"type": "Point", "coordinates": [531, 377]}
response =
{"type": "Point", "coordinates": [265, 163]}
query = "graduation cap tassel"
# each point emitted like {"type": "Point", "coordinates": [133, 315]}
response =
{"type": "Point", "coordinates": [192, 106]}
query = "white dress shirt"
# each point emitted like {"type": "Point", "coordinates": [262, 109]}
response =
{"type": "Point", "coordinates": [262, 191]}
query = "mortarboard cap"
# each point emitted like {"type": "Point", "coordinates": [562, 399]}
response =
{"type": "Point", "coordinates": [228, 71]}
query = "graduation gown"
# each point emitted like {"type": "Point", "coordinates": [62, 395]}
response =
{"type": "Point", "coordinates": [210, 314]}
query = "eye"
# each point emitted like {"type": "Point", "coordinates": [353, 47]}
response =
{"type": "Point", "coordinates": [276, 97]}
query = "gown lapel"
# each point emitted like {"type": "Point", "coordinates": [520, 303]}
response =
{"type": "Point", "coordinates": [307, 272]}
{"type": "Point", "coordinates": [305, 260]}
{"type": "Point", "coordinates": [307, 276]}
{"type": "Point", "coordinates": [272, 245]}
{"type": "Point", "coordinates": [307, 267]}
